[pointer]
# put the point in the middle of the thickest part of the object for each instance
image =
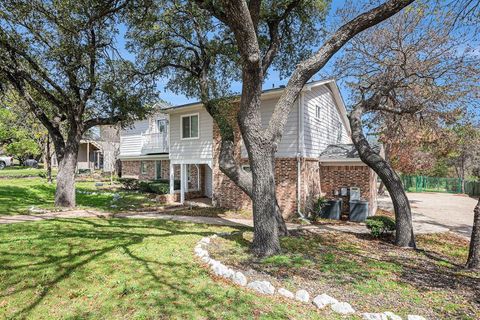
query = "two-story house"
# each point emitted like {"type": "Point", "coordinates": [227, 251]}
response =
{"type": "Point", "coordinates": [181, 144]}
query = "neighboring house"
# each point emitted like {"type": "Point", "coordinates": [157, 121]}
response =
{"type": "Point", "coordinates": [181, 143]}
{"type": "Point", "coordinates": [98, 150]}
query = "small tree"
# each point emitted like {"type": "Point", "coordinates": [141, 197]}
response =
{"type": "Point", "coordinates": [407, 68]}
{"type": "Point", "coordinates": [60, 57]}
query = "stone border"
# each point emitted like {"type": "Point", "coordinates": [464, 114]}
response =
{"type": "Point", "coordinates": [265, 287]}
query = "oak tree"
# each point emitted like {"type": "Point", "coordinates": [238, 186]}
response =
{"type": "Point", "coordinates": [61, 58]}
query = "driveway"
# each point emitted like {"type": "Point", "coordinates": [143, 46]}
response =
{"type": "Point", "coordinates": [439, 210]}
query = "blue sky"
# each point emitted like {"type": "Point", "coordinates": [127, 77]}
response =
{"type": "Point", "coordinates": [273, 79]}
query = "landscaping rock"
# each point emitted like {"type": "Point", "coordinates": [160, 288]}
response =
{"type": "Point", "coordinates": [205, 240]}
{"type": "Point", "coordinates": [342, 308]}
{"type": "Point", "coordinates": [374, 316]}
{"type": "Point", "coordinates": [220, 269]}
{"type": "Point", "coordinates": [323, 300]}
{"type": "Point", "coordinates": [116, 197]}
{"type": "Point", "coordinates": [302, 295]}
{"type": "Point", "coordinates": [205, 259]}
{"type": "Point", "coordinates": [240, 279]}
{"type": "Point", "coordinates": [392, 316]}
{"type": "Point", "coordinates": [415, 317]}
{"type": "Point", "coordinates": [287, 294]}
{"type": "Point", "coordinates": [201, 252]}
{"type": "Point", "coordinates": [264, 287]}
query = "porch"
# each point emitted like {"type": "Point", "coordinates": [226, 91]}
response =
{"type": "Point", "coordinates": [90, 156]}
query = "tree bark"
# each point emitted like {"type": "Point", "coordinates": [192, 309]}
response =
{"type": "Point", "coordinates": [265, 215]}
{"type": "Point", "coordinates": [67, 163]}
{"type": "Point", "coordinates": [404, 236]}
{"type": "Point", "coordinates": [473, 261]}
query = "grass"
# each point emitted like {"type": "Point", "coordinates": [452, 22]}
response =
{"type": "Point", "coordinates": [120, 269]}
{"type": "Point", "coordinates": [17, 196]}
{"type": "Point", "coordinates": [373, 275]}
{"type": "Point", "coordinates": [23, 172]}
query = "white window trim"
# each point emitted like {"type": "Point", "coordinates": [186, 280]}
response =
{"type": "Point", "coordinates": [181, 126]}
{"type": "Point", "coordinates": [143, 165]}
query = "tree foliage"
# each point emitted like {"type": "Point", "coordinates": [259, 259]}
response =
{"type": "Point", "coordinates": [61, 57]}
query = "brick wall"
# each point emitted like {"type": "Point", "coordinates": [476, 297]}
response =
{"type": "Point", "coordinates": [361, 176]}
{"type": "Point", "coordinates": [131, 169]}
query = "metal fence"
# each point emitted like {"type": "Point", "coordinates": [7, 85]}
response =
{"type": "Point", "coordinates": [435, 184]}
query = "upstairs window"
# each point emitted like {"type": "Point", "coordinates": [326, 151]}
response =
{"type": "Point", "coordinates": [318, 111]}
{"type": "Point", "coordinates": [190, 126]}
{"type": "Point", "coordinates": [161, 125]}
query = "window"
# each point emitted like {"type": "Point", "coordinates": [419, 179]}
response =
{"type": "Point", "coordinates": [161, 125]}
{"type": "Point", "coordinates": [190, 126]}
{"type": "Point", "coordinates": [143, 167]}
{"type": "Point", "coordinates": [318, 110]}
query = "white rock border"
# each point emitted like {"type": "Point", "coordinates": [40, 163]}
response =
{"type": "Point", "coordinates": [265, 287]}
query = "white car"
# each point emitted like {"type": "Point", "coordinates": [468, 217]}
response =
{"type": "Point", "coordinates": [5, 162]}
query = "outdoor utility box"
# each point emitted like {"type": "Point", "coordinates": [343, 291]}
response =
{"type": "Point", "coordinates": [354, 193]}
{"type": "Point", "coordinates": [332, 210]}
{"type": "Point", "coordinates": [358, 210]}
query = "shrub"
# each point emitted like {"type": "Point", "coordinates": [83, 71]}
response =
{"type": "Point", "coordinates": [129, 183]}
{"type": "Point", "coordinates": [380, 225]}
{"type": "Point", "coordinates": [318, 207]}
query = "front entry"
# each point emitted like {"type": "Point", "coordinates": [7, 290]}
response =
{"type": "Point", "coordinates": [158, 169]}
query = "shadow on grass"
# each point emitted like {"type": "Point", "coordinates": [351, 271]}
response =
{"type": "Point", "coordinates": [63, 248]}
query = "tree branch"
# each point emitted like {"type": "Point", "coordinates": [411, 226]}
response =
{"type": "Point", "coordinates": [307, 68]}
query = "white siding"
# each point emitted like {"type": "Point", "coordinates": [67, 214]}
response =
{"type": "Point", "coordinates": [192, 149]}
{"type": "Point", "coordinates": [287, 148]}
{"type": "Point", "coordinates": [131, 139]}
{"type": "Point", "coordinates": [320, 132]}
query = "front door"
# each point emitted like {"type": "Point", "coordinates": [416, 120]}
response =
{"type": "Point", "coordinates": [158, 169]}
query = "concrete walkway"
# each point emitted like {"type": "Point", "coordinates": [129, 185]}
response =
{"type": "Point", "coordinates": [349, 227]}
{"type": "Point", "coordinates": [440, 211]}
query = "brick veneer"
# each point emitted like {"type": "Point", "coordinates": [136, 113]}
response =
{"type": "Point", "coordinates": [361, 176]}
{"type": "Point", "coordinates": [131, 169]}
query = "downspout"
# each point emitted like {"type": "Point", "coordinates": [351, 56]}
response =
{"type": "Point", "coordinates": [300, 153]}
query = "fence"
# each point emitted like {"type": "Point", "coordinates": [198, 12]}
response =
{"type": "Point", "coordinates": [434, 184]}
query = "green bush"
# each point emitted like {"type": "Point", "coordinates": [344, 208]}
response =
{"type": "Point", "coordinates": [153, 186]}
{"type": "Point", "coordinates": [129, 183]}
{"type": "Point", "coordinates": [380, 225]}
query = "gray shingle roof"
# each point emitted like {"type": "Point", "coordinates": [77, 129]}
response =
{"type": "Point", "coordinates": [342, 151]}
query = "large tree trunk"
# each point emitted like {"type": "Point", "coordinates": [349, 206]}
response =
{"type": "Point", "coordinates": [265, 215]}
{"type": "Point", "coordinates": [65, 192]}
{"type": "Point", "coordinates": [403, 215]}
{"type": "Point", "coordinates": [473, 261]}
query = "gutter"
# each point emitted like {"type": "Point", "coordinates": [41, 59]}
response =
{"type": "Point", "coordinates": [300, 153]}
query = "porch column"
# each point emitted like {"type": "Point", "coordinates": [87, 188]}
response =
{"type": "Point", "coordinates": [182, 182]}
{"type": "Point", "coordinates": [88, 155]}
{"type": "Point", "coordinates": [172, 178]}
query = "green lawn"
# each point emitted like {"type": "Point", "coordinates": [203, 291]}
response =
{"type": "Point", "coordinates": [17, 196]}
{"type": "Point", "coordinates": [22, 172]}
{"type": "Point", "coordinates": [120, 269]}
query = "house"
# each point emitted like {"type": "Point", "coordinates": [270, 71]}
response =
{"type": "Point", "coordinates": [181, 144]}
{"type": "Point", "coordinates": [99, 150]}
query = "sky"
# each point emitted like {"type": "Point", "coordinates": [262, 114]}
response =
{"type": "Point", "coordinates": [272, 81]}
